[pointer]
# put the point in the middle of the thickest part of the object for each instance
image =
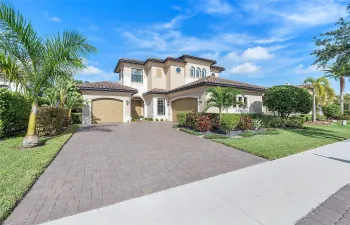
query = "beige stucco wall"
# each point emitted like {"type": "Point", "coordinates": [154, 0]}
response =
{"type": "Point", "coordinates": [157, 82]}
{"type": "Point", "coordinates": [254, 101]}
{"type": "Point", "coordinates": [91, 95]}
{"type": "Point", "coordinates": [126, 80]}
{"type": "Point", "coordinates": [196, 64]}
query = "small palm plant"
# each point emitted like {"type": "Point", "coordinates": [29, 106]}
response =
{"type": "Point", "coordinates": [322, 93]}
{"type": "Point", "coordinates": [39, 61]}
{"type": "Point", "coordinates": [222, 98]}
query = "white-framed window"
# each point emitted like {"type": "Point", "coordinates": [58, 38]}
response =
{"type": "Point", "coordinates": [204, 73]}
{"type": "Point", "coordinates": [192, 71]}
{"type": "Point", "coordinates": [198, 72]}
{"type": "Point", "coordinates": [243, 100]}
{"type": "Point", "coordinates": [160, 106]}
{"type": "Point", "coordinates": [136, 75]}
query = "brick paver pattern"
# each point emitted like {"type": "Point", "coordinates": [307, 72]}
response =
{"type": "Point", "coordinates": [106, 164]}
{"type": "Point", "coordinates": [335, 210]}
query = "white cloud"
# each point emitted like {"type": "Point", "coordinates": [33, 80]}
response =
{"type": "Point", "coordinates": [300, 69]}
{"type": "Point", "coordinates": [217, 7]}
{"type": "Point", "coordinates": [91, 70]}
{"type": "Point", "coordinates": [256, 53]}
{"type": "Point", "coordinates": [55, 19]}
{"type": "Point", "coordinates": [232, 57]}
{"type": "Point", "coordinates": [52, 18]}
{"type": "Point", "coordinates": [315, 13]}
{"type": "Point", "coordinates": [175, 22]}
{"type": "Point", "coordinates": [245, 68]}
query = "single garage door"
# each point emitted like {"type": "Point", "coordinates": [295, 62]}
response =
{"type": "Point", "coordinates": [185, 105]}
{"type": "Point", "coordinates": [107, 111]}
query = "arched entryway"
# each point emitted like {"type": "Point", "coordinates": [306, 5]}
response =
{"type": "Point", "coordinates": [107, 110]}
{"type": "Point", "coordinates": [184, 105]}
{"type": "Point", "coordinates": [137, 107]}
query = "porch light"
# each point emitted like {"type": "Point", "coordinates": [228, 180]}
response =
{"type": "Point", "coordinates": [127, 102]}
{"type": "Point", "coordinates": [200, 100]}
{"type": "Point", "coordinates": [168, 103]}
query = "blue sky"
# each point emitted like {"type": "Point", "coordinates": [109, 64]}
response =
{"type": "Point", "coordinates": [265, 42]}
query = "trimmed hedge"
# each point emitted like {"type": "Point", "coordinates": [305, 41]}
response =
{"type": "Point", "coordinates": [229, 122]}
{"type": "Point", "coordinates": [51, 120]}
{"type": "Point", "coordinates": [76, 118]}
{"type": "Point", "coordinates": [14, 112]}
{"type": "Point", "coordinates": [331, 111]}
{"type": "Point", "coordinates": [342, 117]}
{"type": "Point", "coordinates": [181, 119]}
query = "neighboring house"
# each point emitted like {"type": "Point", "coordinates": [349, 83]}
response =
{"type": "Point", "coordinates": [160, 89]}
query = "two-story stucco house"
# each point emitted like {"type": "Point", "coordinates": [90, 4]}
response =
{"type": "Point", "coordinates": [161, 88]}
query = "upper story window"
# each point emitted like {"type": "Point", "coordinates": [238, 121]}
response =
{"type": "Point", "coordinates": [213, 74]}
{"type": "Point", "coordinates": [197, 72]}
{"type": "Point", "coordinates": [204, 73]}
{"type": "Point", "coordinates": [192, 72]}
{"type": "Point", "coordinates": [136, 75]}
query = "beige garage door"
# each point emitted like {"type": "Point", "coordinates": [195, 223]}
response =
{"type": "Point", "coordinates": [107, 111]}
{"type": "Point", "coordinates": [185, 105]}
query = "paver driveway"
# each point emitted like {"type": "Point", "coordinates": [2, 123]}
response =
{"type": "Point", "coordinates": [106, 164]}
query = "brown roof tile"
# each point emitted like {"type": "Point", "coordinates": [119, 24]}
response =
{"type": "Point", "coordinates": [106, 86]}
{"type": "Point", "coordinates": [198, 58]}
{"type": "Point", "coordinates": [215, 81]}
{"type": "Point", "coordinates": [218, 67]}
{"type": "Point", "coordinates": [156, 91]}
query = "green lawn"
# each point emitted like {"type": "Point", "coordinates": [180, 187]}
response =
{"type": "Point", "coordinates": [20, 168]}
{"type": "Point", "coordinates": [289, 142]}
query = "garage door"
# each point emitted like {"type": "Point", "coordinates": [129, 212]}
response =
{"type": "Point", "coordinates": [107, 111]}
{"type": "Point", "coordinates": [185, 105]}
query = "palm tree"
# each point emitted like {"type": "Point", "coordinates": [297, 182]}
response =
{"type": "Point", "coordinates": [339, 71]}
{"type": "Point", "coordinates": [11, 71]}
{"type": "Point", "coordinates": [41, 59]}
{"type": "Point", "coordinates": [221, 98]}
{"type": "Point", "coordinates": [322, 93]}
{"type": "Point", "coordinates": [74, 100]}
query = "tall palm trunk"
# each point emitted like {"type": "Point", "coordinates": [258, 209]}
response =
{"type": "Point", "coordinates": [31, 139]}
{"type": "Point", "coordinates": [342, 88]}
{"type": "Point", "coordinates": [314, 107]}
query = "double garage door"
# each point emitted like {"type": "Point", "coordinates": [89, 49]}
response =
{"type": "Point", "coordinates": [184, 105]}
{"type": "Point", "coordinates": [107, 111]}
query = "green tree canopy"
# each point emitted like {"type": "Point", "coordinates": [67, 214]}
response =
{"type": "Point", "coordinates": [287, 99]}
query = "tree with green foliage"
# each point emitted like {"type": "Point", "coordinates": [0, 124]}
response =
{"type": "Point", "coordinates": [41, 60]}
{"type": "Point", "coordinates": [334, 46]}
{"type": "Point", "coordinates": [287, 100]}
{"type": "Point", "coordinates": [74, 100]}
{"type": "Point", "coordinates": [331, 111]}
{"type": "Point", "coordinates": [339, 72]}
{"type": "Point", "coordinates": [222, 98]}
{"type": "Point", "coordinates": [322, 93]}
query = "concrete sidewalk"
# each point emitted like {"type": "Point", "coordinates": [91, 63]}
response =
{"type": "Point", "coordinates": [278, 192]}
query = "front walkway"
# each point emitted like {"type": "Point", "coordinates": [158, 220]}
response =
{"type": "Point", "coordinates": [272, 193]}
{"type": "Point", "coordinates": [103, 165]}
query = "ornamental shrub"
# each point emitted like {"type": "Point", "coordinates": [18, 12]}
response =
{"type": "Point", "coordinates": [181, 119]}
{"type": "Point", "coordinates": [215, 120]}
{"type": "Point", "coordinates": [229, 122]}
{"type": "Point", "coordinates": [287, 100]}
{"type": "Point", "coordinates": [203, 123]}
{"type": "Point", "coordinates": [191, 119]}
{"type": "Point", "coordinates": [76, 118]}
{"type": "Point", "coordinates": [331, 111]}
{"type": "Point", "coordinates": [51, 120]}
{"type": "Point", "coordinates": [245, 123]}
{"type": "Point", "coordinates": [14, 112]}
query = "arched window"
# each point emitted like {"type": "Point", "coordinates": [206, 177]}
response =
{"type": "Point", "coordinates": [198, 72]}
{"type": "Point", "coordinates": [192, 72]}
{"type": "Point", "coordinates": [204, 73]}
